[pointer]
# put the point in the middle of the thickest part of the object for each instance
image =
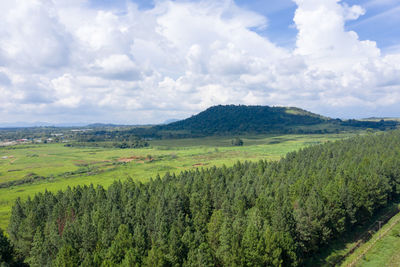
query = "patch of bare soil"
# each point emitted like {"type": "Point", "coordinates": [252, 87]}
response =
{"type": "Point", "coordinates": [199, 164]}
{"type": "Point", "coordinates": [132, 158]}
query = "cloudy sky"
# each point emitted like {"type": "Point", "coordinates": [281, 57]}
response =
{"type": "Point", "coordinates": [143, 61]}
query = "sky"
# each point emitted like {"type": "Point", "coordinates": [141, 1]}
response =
{"type": "Point", "coordinates": [143, 61]}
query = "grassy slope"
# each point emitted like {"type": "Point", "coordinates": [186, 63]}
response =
{"type": "Point", "coordinates": [385, 252]}
{"type": "Point", "coordinates": [55, 160]}
{"type": "Point", "coordinates": [333, 254]}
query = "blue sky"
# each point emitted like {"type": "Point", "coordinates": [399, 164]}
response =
{"type": "Point", "coordinates": [381, 22]}
{"type": "Point", "coordinates": [136, 61]}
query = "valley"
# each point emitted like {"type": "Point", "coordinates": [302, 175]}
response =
{"type": "Point", "coordinates": [284, 187]}
{"type": "Point", "coordinates": [54, 167]}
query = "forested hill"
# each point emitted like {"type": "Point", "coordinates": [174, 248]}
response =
{"type": "Point", "coordinates": [244, 119]}
{"type": "Point", "coordinates": [232, 119]}
{"type": "Point", "coordinates": [251, 214]}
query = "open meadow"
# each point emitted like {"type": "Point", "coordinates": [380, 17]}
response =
{"type": "Point", "coordinates": [28, 169]}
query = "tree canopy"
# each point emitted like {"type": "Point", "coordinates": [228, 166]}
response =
{"type": "Point", "coordinates": [242, 119]}
{"type": "Point", "coordinates": [250, 214]}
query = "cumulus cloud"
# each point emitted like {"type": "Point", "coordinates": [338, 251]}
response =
{"type": "Point", "coordinates": [69, 61]}
{"type": "Point", "coordinates": [118, 67]}
{"type": "Point", "coordinates": [33, 39]}
{"type": "Point", "coordinates": [322, 39]}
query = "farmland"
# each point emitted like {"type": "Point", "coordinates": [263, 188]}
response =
{"type": "Point", "coordinates": [54, 167]}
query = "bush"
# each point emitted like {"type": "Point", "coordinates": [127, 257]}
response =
{"type": "Point", "coordinates": [237, 142]}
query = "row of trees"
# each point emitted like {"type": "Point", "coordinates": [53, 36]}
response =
{"type": "Point", "coordinates": [109, 138]}
{"type": "Point", "coordinates": [251, 214]}
{"type": "Point", "coordinates": [139, 143]}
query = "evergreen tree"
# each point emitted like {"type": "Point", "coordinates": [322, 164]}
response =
{"type": "Point", "coordinates": [67, 257]}
{"type": "Point", "coordinates": [250, 214]}
{"type": "Point", "coordinates": [6, 250]}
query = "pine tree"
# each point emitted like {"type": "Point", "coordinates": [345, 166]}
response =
{"type": "Point", "coordinates": [6, 250]}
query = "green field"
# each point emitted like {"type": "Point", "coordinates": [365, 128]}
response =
{"type": "Point", "coordinates": [60, 166]}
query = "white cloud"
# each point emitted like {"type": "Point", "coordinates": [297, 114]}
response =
{"type": "Point", "coordinates": [322, 39]}
{"type": "Point", "coordinates": [118, 67]}
{"type": "Point", "coordinates": [66, 60]}
{"type": "Point", "coordinates": [33, 40]}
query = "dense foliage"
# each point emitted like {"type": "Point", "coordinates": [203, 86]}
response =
{"type": "Point", "coordinates": [231, 119]}
{"type": "Point", "coordinates": [251, 214]}
{"type": "Point", "coordinates": [116, 138]}
{"type": "Point", "coordinates": [242, 119]}
{"type": "Point", "coordinates": [7, 253]}
{"type": "Point", "coordinates": [138, 143]}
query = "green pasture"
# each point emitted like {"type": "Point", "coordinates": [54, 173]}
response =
{"type": "Point", "coordinates": [61, 166]}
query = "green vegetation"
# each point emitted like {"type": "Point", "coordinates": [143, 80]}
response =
{"type": "Point", "coordinates": [345, 246]}
{"type": "Point", "coordinates": [383, 249]}
{"type": "Point", "coordinates": [227, 197]}
{"type": "Point", "coordinates": [234, 120]}
{"type": "Point", "coordinates": [8, 256]}
{"type": "Point", "coordinates": [229, 120]}
{"type": "Point", "coordinates": [263, 213]}
{"type": "Point", "coordinates": [237, 142]}
{"type": "Point", "coordinates": [6, 250]}
{"type": "Point", "coordinates": [108, 138]}
{"type": "Point", "coordinates": [54, 166]}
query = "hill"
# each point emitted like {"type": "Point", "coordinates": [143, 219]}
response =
{"type": "Point", "coordinates": [232, 120]}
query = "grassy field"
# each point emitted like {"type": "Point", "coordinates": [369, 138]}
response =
{"type": "Point", "coordinates": [384, 252]}
{"type": "Point", "coordinates": [60, 167]}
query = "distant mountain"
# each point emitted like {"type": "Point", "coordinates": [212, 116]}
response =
{"type": "Point", "coordinates": [234, 120]}
{"type": "Point", "coordinates": [380, 118]}
{"type": "Point", "coordinates": [99, 125]}
{"type": "Point", "coordinates": [20, 124]}
{"type": "Point", "coordinates": [241, 119]}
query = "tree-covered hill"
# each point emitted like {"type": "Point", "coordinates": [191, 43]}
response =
{"type": "Point", "coordinates": [218, 120]}
{"type": "Point", "coordinates": [232, 119]}
{"type": "Point", "coordinates": [251, 214]}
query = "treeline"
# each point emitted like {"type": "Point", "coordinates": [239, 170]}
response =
{"type": "Point", "coordinates": [130, 144]}
{"type": "Point", "coordinates": [29, 178]}
{"type": "Point", "coordinates": [97, 136]}
{"type": "Point", "coordinates": [380, 125]}
{"type": "Point", "coordinates": [32, 133]}
{"type": "Point", "coordinates": [251, 214]}
{"type": "Point", "coordinates": [115, 135]}
{"type": "Point", "coordinates": [109, 138]}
